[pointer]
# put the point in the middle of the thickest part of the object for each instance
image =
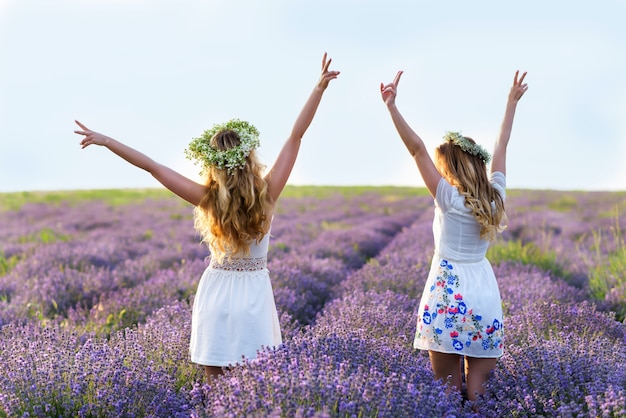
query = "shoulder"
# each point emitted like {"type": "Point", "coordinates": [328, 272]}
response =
{"type": "Point", "coordinates": [446, 193]}
{"type": "Point", "coordinates": [498, 181]}
{"type": "Point", "coordinates": [498, 178]}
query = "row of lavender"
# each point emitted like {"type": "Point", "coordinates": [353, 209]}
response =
{"type": "Point", "coordinates": [104, 267]}
{"type": "Point", "coordinates": [85, 272]}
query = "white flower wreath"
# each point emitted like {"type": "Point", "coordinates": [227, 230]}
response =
{"type": "Point", "coordinates": [234, 158]}
{"type": "Point", "coordinates": [467, 146]}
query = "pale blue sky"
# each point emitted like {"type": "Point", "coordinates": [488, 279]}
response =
{"type": "Point", "coordinates": [156, 73]}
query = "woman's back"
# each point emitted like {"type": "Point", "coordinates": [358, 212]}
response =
{"type": "Point", "coordinates": [455, 230]}
{"type": "Point", "coordinates": [258, 252]}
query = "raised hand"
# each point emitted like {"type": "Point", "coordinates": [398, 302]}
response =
{"type": "Point", "coordinates": [389, 91]}
{"type": "Point", "coordinates": [519, 87]}
{"type": "Point", "coordinates": [498, 163]}
{"type": "Point", "coordinates": [91, 137]}
{"type": "Point", "coordinates": [327, 75]}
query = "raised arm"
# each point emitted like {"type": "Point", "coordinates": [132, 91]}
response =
{"type": "Point", "coordinates": [187, 189]}
{"type": "Point", "coordinates": [411, 140]}
{"type": "Point", "coordinates": [279, 173]}
{"type": "Point", "coordinates": [499, 153]}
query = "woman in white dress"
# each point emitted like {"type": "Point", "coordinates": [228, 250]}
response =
{"type": "Point", "coordinates": [460, 312]}
{"type": "Point", "coordinates": [234, 314]}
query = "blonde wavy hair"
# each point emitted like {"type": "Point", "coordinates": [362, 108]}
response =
{"type": "Point", "coordinates": [234, 211]}
{"type": "Point", "coordinates": [468, 173]}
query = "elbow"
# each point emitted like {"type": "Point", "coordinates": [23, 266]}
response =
{"type": "Point", "coordinates": [158, 171]}
{"type": "Point", "coordinates": [417, 150]}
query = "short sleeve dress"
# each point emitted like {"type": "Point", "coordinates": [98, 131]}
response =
{"type": "Point", "coordinates": [234, 313]}
{"type": "Point", "coordinates": [460, 311]}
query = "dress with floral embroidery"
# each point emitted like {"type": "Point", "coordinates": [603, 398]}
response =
{"type": "Point", "coordinates": [460, 310]}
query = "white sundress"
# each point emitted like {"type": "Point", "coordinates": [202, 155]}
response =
{"type": "Point", "coordinates": [234, 312]}
{"type": "Point", "coordinates": [460, 311]}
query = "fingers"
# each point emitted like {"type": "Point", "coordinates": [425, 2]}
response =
{"type": "Point", "coordinates": [521, 86]}
{"type": "Point", "coordinates": [81, 125]}
{"type": "Point", "coordinates": [331, 75]}
{"type": "Point", "coordinates": [326, 64]}
{"type": "Point", "coordinates": [389, 90]}
{"type": "Point", "coordinates": [397, 79]}
{"type": "Point", "coordinates": [327, 75]}
{"type": "Point", "coordinates": [85, 142]}
{"type": "Point", "coordinates": [387, 87]}
{"type": "Point", "coordinates": [523, 89]}
{"type": "Point", "coordinates": [519, 80]}
{"type": "Point", "coordinates": [85, 130]}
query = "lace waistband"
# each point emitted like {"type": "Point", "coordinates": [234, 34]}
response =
{"type": "Point", "coordinates": [452, 260]}
{"type": "Point", "coordinates": [240, 264]}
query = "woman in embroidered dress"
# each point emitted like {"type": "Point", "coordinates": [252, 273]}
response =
{"type": "Point", "coordinates": [460, 312]}
{"type": "Point", "coordinates": [234, 313]}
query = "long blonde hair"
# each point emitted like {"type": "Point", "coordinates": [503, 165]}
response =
{"type": "Point", "coordinates": [234, 211]}
{"type": "Point", "coordinates": [468, 173]}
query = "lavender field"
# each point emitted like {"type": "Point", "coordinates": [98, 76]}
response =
{"type": "Point", "coordinates": [96, 291]}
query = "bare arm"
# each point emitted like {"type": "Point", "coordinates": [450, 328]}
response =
{"type": "Point", "coordinates": [411, 140]}
{"type": "Point", "coordinates": [185, 188]}
{"type": "Point", "coordinates": [499, 154]}
{"type": "Point", "coordinates": [279, 173]}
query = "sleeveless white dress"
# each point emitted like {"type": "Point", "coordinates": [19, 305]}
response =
{"type": "Point", "coordinates": [234, 312]}
{"type": "Point", "coordinates": [460, 311]}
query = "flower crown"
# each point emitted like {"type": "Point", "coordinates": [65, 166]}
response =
{"type": "Point", "coordinates": [234, 158]}
{"type": "Point", "coordinates": [467, 146]}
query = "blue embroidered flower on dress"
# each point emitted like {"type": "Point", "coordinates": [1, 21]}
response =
{"type": "Point", "coordinates": [458, 318]}
{"type": "Point", "coordinates": [462, 308]}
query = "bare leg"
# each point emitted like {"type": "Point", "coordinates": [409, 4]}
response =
{"type": "Point", "coordinates": [212, 372]}
{"type": "Point", "coordinates": [447, 367]}
{"type": "Point", "coordinates": [476, 374]}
